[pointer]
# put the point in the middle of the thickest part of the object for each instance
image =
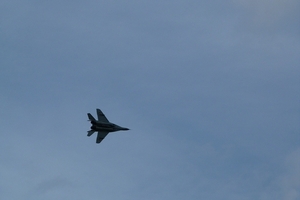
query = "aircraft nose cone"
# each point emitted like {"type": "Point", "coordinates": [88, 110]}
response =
{"type": "Point", "coordinates": [125, 129]}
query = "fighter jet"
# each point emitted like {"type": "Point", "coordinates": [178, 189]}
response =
{"type": "Point", "coordinates": [102, 126]}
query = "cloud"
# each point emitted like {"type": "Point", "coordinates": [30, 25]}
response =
{"type": "Point", "coordinates": [286, 184]}
{"type": "Point", "coordinates": [205, 94]}
{"type": "Point", "coordinates": [53, 184]}
{"type": "Point", "coordinates": [290, 181]}
{"type": "Point", "coordinates": [269, 14]}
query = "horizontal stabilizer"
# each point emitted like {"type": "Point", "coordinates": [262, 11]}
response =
{"type": "Point", "coordinates": [90, 132]}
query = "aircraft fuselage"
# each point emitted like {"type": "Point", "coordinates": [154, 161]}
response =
{"type": "Point", "coordinates": [110, 127]}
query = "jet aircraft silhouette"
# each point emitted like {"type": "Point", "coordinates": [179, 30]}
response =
{"type": "Point", "coordinates": [102, 126]}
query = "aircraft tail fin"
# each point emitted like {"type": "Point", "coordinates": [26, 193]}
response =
{"type": "Point", "coordinates": [90, 132]}
{"type": "Point", "coordinates": [91, 118]}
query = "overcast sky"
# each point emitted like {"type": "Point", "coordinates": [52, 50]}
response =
{"type": "Point", "coordinates": [209, 89]}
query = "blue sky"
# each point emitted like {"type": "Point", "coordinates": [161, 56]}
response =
{"type": "Point", "coordinates": [210, 91]}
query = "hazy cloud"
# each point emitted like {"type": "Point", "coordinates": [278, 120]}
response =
{"type": "Point", "coordinates": [210, 91]}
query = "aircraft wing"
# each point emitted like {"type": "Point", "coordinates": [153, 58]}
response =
{"type": "Point", "coordinates": [101, 116]}
{"type": "Point", "coordinates": [101, 135]}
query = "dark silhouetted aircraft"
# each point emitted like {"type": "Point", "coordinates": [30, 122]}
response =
{"type": "Point", "coordinates": [102, 126]}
